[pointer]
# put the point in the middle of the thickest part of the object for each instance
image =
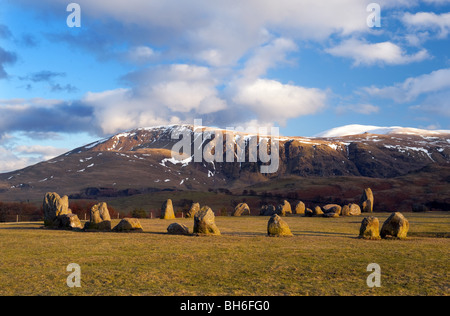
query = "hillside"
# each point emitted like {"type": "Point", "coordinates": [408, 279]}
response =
{"type": "Point", "coordinates": [140, 162]}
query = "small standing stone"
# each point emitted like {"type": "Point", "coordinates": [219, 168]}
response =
{"type": "Point", "coordinates": [370, 228]}
{"type": "Point", "coordinates": [167, 210]}
{"type": "Point", "coordinates": [396, 226]}
{"type": "Point", "coordinates": [178, 229]}
{"type": "Point", "coordinates": [204, 222]}
{"type": "Point", "coordinates": [277, 227]}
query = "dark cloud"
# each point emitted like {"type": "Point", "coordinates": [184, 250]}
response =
{"type": "Point", "coordinates": [35, 116]}
{"type": "Point", "coordinates": [43, 76]}
{"type": "Point", "coordinates": [4, 31]}
{"type": "Point", "coordinates": [67, 88]}
{"type": "Point", "coordinates": [28, 40]}
{"type": "Point", "coordinates": [6, 58]}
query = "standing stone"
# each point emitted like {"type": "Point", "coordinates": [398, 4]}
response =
{"type": "Point", "coordinates": [178, 229]}
{"type": "Point", "coordinates": [204, 222]}
{"type": "Point", "coordinates": [396, 226]}
{"type": "Point", "coordinates": [283, 209]}
{"type": "Point", "coordinates": [129, 225]}
{"type": "Point", "coordinates": [67, 221]}
{"type": "Point", "coordinates": [277, 227]}
{"type": "Point", "coordinates": [317, 211]}
{"type": "Point", "coordinates": [300, 208]}
{"type": "Point", "coordinates": [167, 210]}
{"type": "Point", "coordinates": [345, 210]}
{"type": "Point", "coordinates": [367, 201]}
{"type": "Point", "coordinates": [54, 206]}
{"type": "Point", "coordinates": [241, 209]}
{"type": "Point", "coordinates": [419, 208]}
{"type": "Point", "coordinates": [309, 212]}
{"type": "Point", "coordinates": [100, 219]}
{"type": "Point", "coordinates": [267, 210]}
{"type": "Point", "coordinates": [354, 210]}
{"type": "Point", "coordinates": [370, 228]}
{"type": "Point", "coordinates": [332, 210]}
{"type": "Point", "coordinates": [195, 207]}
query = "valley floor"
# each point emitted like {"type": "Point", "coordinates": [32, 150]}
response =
{"type": "Point", "coordinates": [325, 257]}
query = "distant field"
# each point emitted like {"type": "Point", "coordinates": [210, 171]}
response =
{"type": "Point", "coordinates": [324, 258]}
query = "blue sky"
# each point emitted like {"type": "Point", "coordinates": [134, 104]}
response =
{"type": "Point", "coordinates": [306, 66]}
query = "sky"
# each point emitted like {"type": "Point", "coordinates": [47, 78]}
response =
{"type": "Point", "coordinates": [305, 66]}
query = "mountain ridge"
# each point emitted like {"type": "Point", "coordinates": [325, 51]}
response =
{"type": "Point", "coordinates": [141, 160]}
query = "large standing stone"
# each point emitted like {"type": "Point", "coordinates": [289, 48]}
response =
{"type": "Point", "coordinates": [100, 219]}
{"type": "Point", "coordinates": [178, 229]}
{"type": "Point", "coordinates": [277, 227]}
{"type": "Point", "coordinates": [370, 228]}
{"type": "Point", "coordinates": [396, 226]}
{"type": "Point", "coordinates": [241, 209]}
{"type": "Point", "coordinates": [283, 209]}
{"type": "Point", "coordinates": [54, 206]}
{"type": "Point", "coordinates": [195, 207]}
{"type": "Point", "coordinates": [129, 225]}
{"type": "Point", "coordinates": [367, 201]}
{"type": "Point", "coordinates": [167, 210]}
{"type": "Point", "coordinates": [204, 222]}
{"type": "Point", "coordinates": [300, 208]}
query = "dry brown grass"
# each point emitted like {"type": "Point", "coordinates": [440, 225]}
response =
{"type": "Point", "coordinates": [324, 258]}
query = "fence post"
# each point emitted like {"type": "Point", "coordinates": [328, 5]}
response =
{"type": "Point", "coordinates": [17, 218]}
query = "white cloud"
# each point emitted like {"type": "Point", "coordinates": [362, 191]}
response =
{"type": "Point", "coordinates": [273, 101]}
{"type": "Point", "coordinates": [163, 95]}
{"type": "Point", "coordinates": [141, 54]}
{"type": "Point", "coordinates": [364, 53]}
{"type": "Point", "coordinates": [413, 87]}
{"type": "Point", "coordinates": [22, 156]}
{"type": "Point", "coordinates": [46, 152]}
{"type": "Point", "coordinates": [437, 103]}
{"type": "Point", "coordinates": [428, 21]}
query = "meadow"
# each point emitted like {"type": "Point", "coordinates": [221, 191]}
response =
{"type": "Point", "coordinates": [325, 257]}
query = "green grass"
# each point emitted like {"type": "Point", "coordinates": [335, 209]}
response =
{"type": "Point", "coordinates": [325, 257]}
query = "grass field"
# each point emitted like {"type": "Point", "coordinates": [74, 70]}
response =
{"type": "Point", "coordinates": [325, 257]}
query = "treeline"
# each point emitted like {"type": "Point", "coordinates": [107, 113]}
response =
{"type": "Point", "coordinates": [9, 211]}
{"type": "Point", "coordinates": [29, 212]}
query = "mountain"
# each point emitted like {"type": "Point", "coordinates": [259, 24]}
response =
{"type": "Point", "coordinates": [140, 161]}
{"type": "Point", "coordinates": [356, 129]}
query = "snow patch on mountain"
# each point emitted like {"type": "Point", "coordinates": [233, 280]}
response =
{"type": "Point", "coordinates": [356, 129]}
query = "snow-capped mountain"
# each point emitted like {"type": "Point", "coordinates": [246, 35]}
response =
{"type": "Point", "coordinates": [356, 129]}
{"type": "Point", "coordinates": [141, 161]}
